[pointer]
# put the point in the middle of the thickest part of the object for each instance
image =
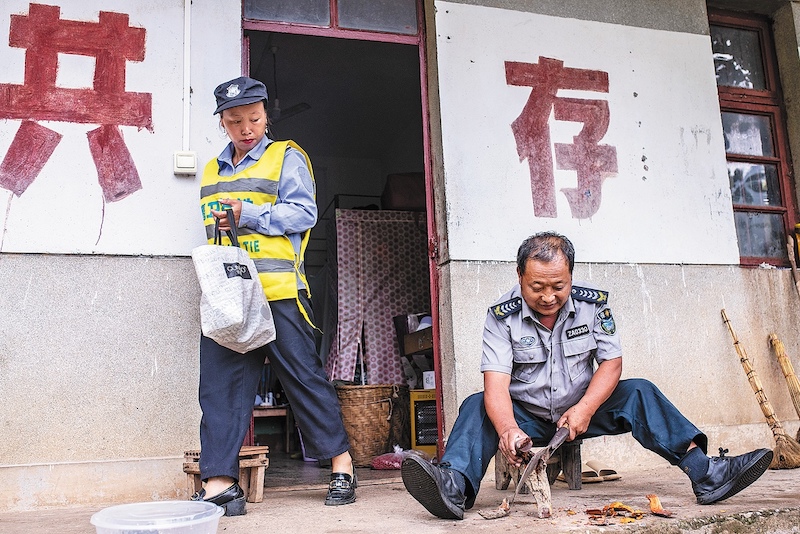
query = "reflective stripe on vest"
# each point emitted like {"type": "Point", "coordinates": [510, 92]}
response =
{"type": "Point", "coordinates": [274, 266]}
{"type": "Point", "coordinates": [243, 184]}
{"type": "Point", "coordinates": [279, 267]}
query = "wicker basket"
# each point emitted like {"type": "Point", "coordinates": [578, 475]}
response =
{"type": "Point", "coordinates": [368, 414]}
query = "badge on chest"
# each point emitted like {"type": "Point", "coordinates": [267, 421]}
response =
{"type": "Point", "coordinates": [577, 331]}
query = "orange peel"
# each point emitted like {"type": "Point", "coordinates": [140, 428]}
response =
{"type": "Point", "coordinates": [655, 506]}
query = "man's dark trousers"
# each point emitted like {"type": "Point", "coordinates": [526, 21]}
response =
{"type": "Point", "coordinates": [635, 406]}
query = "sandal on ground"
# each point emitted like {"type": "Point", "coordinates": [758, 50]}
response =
{"type": "Point", "coordinates": [588, 475]}
{"type": "Point", "coordinates": [602, 470]}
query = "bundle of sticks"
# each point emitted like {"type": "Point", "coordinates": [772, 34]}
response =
{"type": "Point", "coordinates": [780, 353]}
{"type": "Point", "coordinates": [787, 450]}
{"type": "Point", "coordinates": [788, 373]}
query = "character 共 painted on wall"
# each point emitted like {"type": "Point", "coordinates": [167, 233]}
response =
{"type": "Point", "coordinates": [112, 42]}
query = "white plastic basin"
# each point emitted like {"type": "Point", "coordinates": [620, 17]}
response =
{"type": "Point", "coordinates": [159, 517]}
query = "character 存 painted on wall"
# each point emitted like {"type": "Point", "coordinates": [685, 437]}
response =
{"type": "Point", "coordinates": [592, 161]}
{"type": "Point", "coordinates": [270, 188]}
{"type": "Point", "coordinates": [540, 343]}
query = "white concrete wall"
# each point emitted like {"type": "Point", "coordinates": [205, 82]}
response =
{"type": "Point", "coordinates": [672, 333]}
{"type": "Point", "coordinates": [662, 240]}
{"type": "Point", "coordinates": [98, 372]}
{"type": "Point", "coordinates": [99, 330]}
{"type": "Point", "coordinates": [99, 347]}
{"type": "Point", "coordinates": [63, 210]}
{"type": "Point", "coordinates": [65, 200]}
{"type": "Point", "coordinates": [664, 127]}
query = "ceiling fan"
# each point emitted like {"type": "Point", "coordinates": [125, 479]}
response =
{"type": "Point", "coordinates": [276, 113]}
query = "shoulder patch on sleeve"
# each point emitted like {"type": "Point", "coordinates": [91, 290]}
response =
{"type": "Point", "coordinates": [607, 321]}
{"type": "Point", "coordinates": [509, 307]}
{"type": "Point", "coordinates": [598, 296]}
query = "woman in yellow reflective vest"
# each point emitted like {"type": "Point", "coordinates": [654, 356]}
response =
{"type": "Point", "coordinates": [270, 187]}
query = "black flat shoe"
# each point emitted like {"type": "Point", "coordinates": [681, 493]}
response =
{"type": "Point", "coordinates": [342, 489]}
{"type": "Point", "coordinates": [232, 499]}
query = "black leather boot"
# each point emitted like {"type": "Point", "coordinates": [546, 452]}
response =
{"type": "Point", "coordinates": [724, 476]}
{"type": "Point", "coordinates": [434, 487]}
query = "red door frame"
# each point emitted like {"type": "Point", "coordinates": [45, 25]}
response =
{"type": "Point", "coordinates": [417, 40]}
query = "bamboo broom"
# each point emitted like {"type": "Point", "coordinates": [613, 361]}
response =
{"type": "Point", "coordinates": [787, 450]}
{"type": "Point", "coordinates": [788, 372]}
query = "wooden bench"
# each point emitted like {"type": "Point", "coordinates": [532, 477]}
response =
{"type": "Point", "coordinates": [253, 463]}
{"type": "Point", "coordinates": [567, 458]}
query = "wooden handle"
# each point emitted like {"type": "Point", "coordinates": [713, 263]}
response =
{"type": "Point", "coordinates": [755, 383]}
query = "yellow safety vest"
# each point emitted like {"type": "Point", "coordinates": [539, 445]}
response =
{"type": "Point", "coordinates": [279, 267]}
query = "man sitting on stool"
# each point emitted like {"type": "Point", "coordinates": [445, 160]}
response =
{"type": "Point", "coordinates": [540, 342]}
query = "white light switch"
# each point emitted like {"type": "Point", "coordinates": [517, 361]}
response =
{"type": "Point", "coordinates": [185, 163]}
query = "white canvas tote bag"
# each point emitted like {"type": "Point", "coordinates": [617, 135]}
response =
{"type": "Point", "coordinates": [233, 308]}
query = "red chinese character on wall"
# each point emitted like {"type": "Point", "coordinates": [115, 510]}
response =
{"type": "Point", "coordinates": [591, 160]}
{"type": "Point", "coordinates": [112, 42]}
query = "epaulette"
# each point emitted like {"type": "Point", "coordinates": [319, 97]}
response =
{"type": "Point", "coordinates": [597, 296]}
{"type": "Point", "coordinates": [504, 309]}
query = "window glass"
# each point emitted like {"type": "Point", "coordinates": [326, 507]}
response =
{"type": "Point", "coordinates": [760, 234]}
{"type": "Point", "coordinates": [316, 12]}
{"type": "Point", "coordinates": [747, 134]}
{"type": "Point", "coordinates": [396, 16]}
{"type": "Point", "coordinates": [755, 141]}
{"type": "Point", "coordinates": [754, 184]}
{"type": "Point", "coordinates": [737, 57]}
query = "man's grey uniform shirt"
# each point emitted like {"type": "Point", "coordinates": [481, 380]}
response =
{"type": "Point", "coordinates": [550, 370]}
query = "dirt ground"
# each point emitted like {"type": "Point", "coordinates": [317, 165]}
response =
{"type": "Point", "coordinates": [770, 506]}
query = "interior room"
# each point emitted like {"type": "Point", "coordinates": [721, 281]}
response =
{"type": "Point", "coordinates": [355, 108]}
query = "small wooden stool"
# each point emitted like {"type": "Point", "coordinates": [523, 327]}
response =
{"type": "Point", "coordinates": [567, 458]}
{"type": "Point", "coordinates": [253, 463]}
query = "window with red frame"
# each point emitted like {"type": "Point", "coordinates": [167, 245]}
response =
{"type": "Point", "coordinates": [755, 136]}
{"type": "Point", "coordinates": [390, 16]}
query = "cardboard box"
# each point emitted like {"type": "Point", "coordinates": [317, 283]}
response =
{"type": "Point", "coordinates": [418, 341]}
